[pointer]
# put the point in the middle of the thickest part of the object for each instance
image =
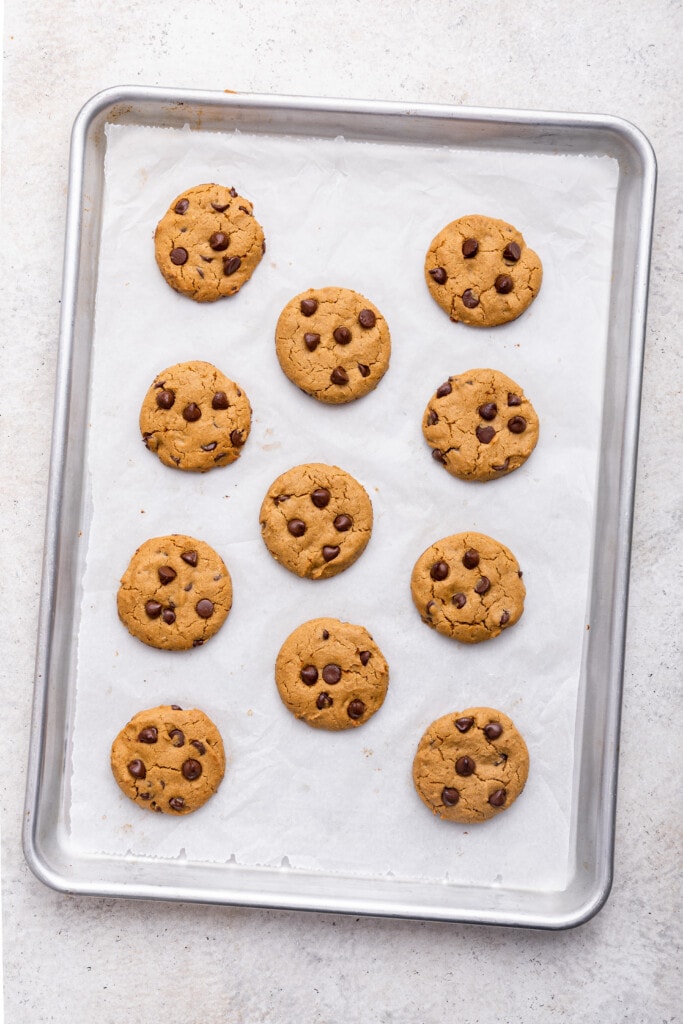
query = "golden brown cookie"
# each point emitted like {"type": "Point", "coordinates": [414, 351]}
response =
{"type": "Point", "coordinates": [480, 425]}
{"type": "Point", "coordinates": [208, 243]}
{"type": "Point", "coordinates": [169, 760]}
{"type": "Point", "coordinates": [316, 520]}
{"type": "Point", "coordinates": [195, 418]}
{"type": "Point", "coordinates": [331, 674]}
{"type": "Point", "coordinates": [333, 344]}
{"type": "Point", "coordinates": [468, 587]}
{"type": "Point", "coordinates": [175, 594]}
{"type": "Point", "coordinates": [481, 272]}
{"type": "Point", "coordinates": [470, 765]}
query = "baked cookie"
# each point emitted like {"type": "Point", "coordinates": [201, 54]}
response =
{"type": "Point", "coordinates": [468, 587]}
{"type": "Point", "coordinates": [481, 272]}
{"type": "Point", "coordinates": [480, 425]}
{"type": "Point", "coordinates": [316, 520]}
{"type": "Point", "coordinates": [331, 674]}
{"type": "Point", "coordinates": [208, 243]}
{"type": "Point", "coordinates": [169, 760]}
{"type": "Point", "coordinates": [195, 418]}
{"type": "Point", "coordinates": [333, 344]}
{"type": "Point", "coordinates": [470, 765]}
{"type": "Point", "coordinates": [176, 593]}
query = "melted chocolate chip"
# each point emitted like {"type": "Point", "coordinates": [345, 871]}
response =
{"type": "Point", "coordinates": [231, 264]}
{"type": "Point", "coordinates": [514, 399]}
{"type": "Point", "coordinates": [493, 730]}
{"type": "Point", "coordinates": [204, 608]}
{"type": "Point", "coordinates": [309, 675]}
{"type": "Point", "coordinates": [321, 497]}
{"type": "Point", "coordinates": [517, 424]}
{"type": "Point", "coordinates": [332, 674]}
{"type": "Point", "coordinates": [449, 796]}
{"type": "Point", "coordinates": [503, 284]}
{"type": "Point", "coordinates": [179, 256]}
{"type": "Point", "coordinates": [471, 558]}
{"type": "Point", "coordinates": [469, 299]}
{"type": "Point", "coordinates": [192, 412]}
{"type": "Point", "coordinates": [233, 191]}
{"type": "Point", "coordinates": [432, 418]}
{"type": "Point", "coordinates": [191, 769]}
{"type": "Point", "coordinates": [463, 724]}
{"type": "Point", "coordinates": [168, 616]}
{"type": "Point", "coordinates": [339, 375]}
{"type": "Point", "coordinates": [311, 341]}
{"type": "Point", "coordinates": [488, 410]}
{"type": "Point", "coordinates": [181, 206]}
{"type": "Point", "coordinates": [177, 737]}
{"type": "Point", "coordinates": [366, 318]}
{"type": "Point", "coordinates": [176, 803]}
{"type": "Point", "coordinates": [166, 574]}
{"type": "Point", "coordinates": [485, 434]}
{"type": "Point", "coordinates": [502, 467]}
{"type": "Point", "coordinates": [483, 585]}
{"type": "Point", "coordinates": [439, 571]}
{"type": "Point", "coordinates": [364, 657]}
{"type": "Point", "coordinates": [220, 400]}
{"type": "Point", "coordinates": [220, 207]}
{"type": "Point", "coordinates": [444, 390]}
{"type": "Point", "coordinates": [363, 369]}
{"type": "Point", "coordinates": [308, 306]}
{"type": "Point", "coordinates": [236, 438]}
{"type": "Point", "coordinates": [512, 252]}
{"type": "Point", "coordinates": [219, 241]}
{"type": "Point", "coordinates": [191, 557]}
{"type": "Point", "coordinates": [330, 552]}
{"type": "Point", "coordinates": [470, 248]}
{"type": "Point", "coordinates": [439, 275]}
{"type": "Point", "coordinates": [356, 709]}
{"type": "Point", "coordinates": [342, 335]}
{"type": "Point", "coordinates": [343, 523]}
{"type": "Point", "coordinates": [150, 734]}
{"type": "Point", "coordinates": [137, 769]}
{"type": "Point", "coordinates": [326, 635]}
{"type": "Point", "coordinates": [324, 701]}
{"type": "Point", "coordinates": [152, 609]}
{"type": "Point", "coordinates": [199, 747]}
{"type": "Point", "coordinates": [438, 456]}
{"type": "Point", "coordinates": [210, 447]}
{"type": "Point", "coordinates": [505, 618]}
{"type": "Point", "coordinates": [459, 600]}
{"type": "Point", "coordinates": [465, 766]}
{"type": "Point", "coordinates": [165, 399]}
{"type": "Point", "coordinates": [498, 798]}
{"type": "Point", "coordinates": [296, 527]}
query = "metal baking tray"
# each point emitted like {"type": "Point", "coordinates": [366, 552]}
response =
{"type": "Point", "coordinates": [47, 842]}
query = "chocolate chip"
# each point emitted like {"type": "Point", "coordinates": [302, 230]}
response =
{"type": "Point", "coordinates": [428, 609]}
{"type": "Point", "coordinates": [204, 608]}
{"type": "Point", "coordinates": [485, 434]}
{"type": "Point", "coordinates": [339, 375]}
{"type": "Point", "coordinates": [150, 734]}
{"type": "Point", "coordinates": [207, 259]}
{"type": "Point", "coordinates": [465, 766]}
{"type": "Point", "coordinates": [220, 207]}
{"type": "Point", "coordinates": [469, 299]}
{"type": "Point", "coordinates": [210, 447]}
{"type": "Point", "coordinates": [233, 191]}
{"type": "Point", "coordinates": [176, 707]}
{"type": "Point", "coordinates": [471, 558]}
{"type": "Point", "coordinates": [449, 796]}
{"type": "Point", "coordinates": [153, 609]}
{"type": "Point", "coordinates": [342, 335]}
{"type": "Point", "coordinates": [364, 657]}
{"type": "Point", "coordinates": [200, 272]}
{"type": "Point", "coordinates": [364, 370]}
{"type": "Point", "coordinates": [308, 306]}
{"type": "Point", "coordinates": [231, 265]}
{"type": "Point", "coordinates": [219, 241]}
{"type": "Point", "coordinates": [137, 769]}
{"type": "Point", "coordinates": [514, 399]}
{"type": "Point", "coordinates": [191, 769]}
{"type": "Point", "coordinates": [512, 252]}
{"type": "Point", "coordinates": [220, 400]}
{"type": "Point", "coordinates": [488, 410]}
{"type": "Point", "coordinates": [459, 600]}
{"type": "Point", "coordinates": [503, 284]}
{"type": "Point", "coordinates": [191, 557]}
{"type": "Point", "coordinates": [439, 275]}
{"type": "Point", "coordinates": [236, 438]}
{"type": "Point", "coordinates": [168, 616]}
{"type": "Point", "coordinates": [199, 746]}
{"type": "Point", "coordinates": [483, 585]}
{"type": "Point", "coordinates": [181, 206]}
{"type": "Point", "coordinates": [505, 618]}
{"type": "Point", "coordinates": [493, 730]}
{"type": "Point", "coordinates": [176, 803]}
{"type": "Point", "coordinates": [432, 418]}
{"type": "Point", "coordinates": [326, 635]}
{"type": "Point", "coordinates": [177, 737]}
{"type": "Point", "coordinates": [343, 523]}
{"type": "Point", "coordinates": [330, 552]}
{"type": "Point", "coordinates": [439, 571]}
{"type": "Point", "coordinates": [332, 674]}
{"type": "Point", "coordinates": [192, 412]}
{"type": "Point", "coordinates": [444, 390]}
{"type": "Point", "coordinates": [366, 318]}
{"type": "Point", "coordinates": [165, 399]}
{"type": "Point", "coordinates": [309, 675]}
{"type": "Point", "coordinates": [470, 248]}
{"type": "Point", "coordinates": [502, 467]}
{"type": "Point", "coordinates": [438, 456]}
{"type": "Point", "coordinates": [356, 709]}
{"type": "Point", "coordinates": [179, 256]}
{"type": "Point", "coordinates": [166, 574]}
{"type": "Point", "coordinates": [498, 798]}
{"type": "Point", "coordinates": [311, 341]}
{"type": "Point", "coordinates": [296, 527]}
{"type": "Point", "coordinates": [321, 497]}
{"type": "Point", "coordinates": [324, 701]}
{"type": "Point", "coordinates": [463, 724]}
{"type": "Point", "coordinates": [517, 424]}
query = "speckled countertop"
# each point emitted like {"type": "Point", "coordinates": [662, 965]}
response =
{"type": "Point", "coordinates": [78, 959]}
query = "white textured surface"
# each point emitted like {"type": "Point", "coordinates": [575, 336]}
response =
{"type": "Point", "coordinates": [71, 959]}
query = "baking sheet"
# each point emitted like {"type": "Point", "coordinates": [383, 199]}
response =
{"type": "Point", "coordinates": [360, 215]}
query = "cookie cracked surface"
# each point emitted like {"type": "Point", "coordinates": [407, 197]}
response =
{"type": "Point", "coordinates": [195, 418]}
{"type": "Point", "coordinates": [333, 343]}
{"type": "Point", "coordinates": [470, 765]}
{"type": "Point", "coordinates": [481, 272]}
{"type": "Point", "coordinates": [175, 594]}
{"type": "Point", "coordinates": [316, 520]}
{"type": "Point", "coordinates": [208, 243]}
{"type": "Point", "coordinates": [469, 587]}
{"type": "Point", "coordinates": [331, 674]}
{"type": "Point", "coordinates": [480, 425]}
{"type": "Point", "coordinates": [169, 760]}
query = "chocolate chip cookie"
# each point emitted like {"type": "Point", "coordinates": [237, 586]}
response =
{"type": "Point", "coordinates": [169, 760]}
{"type": "Point", "coordinates": [316, 520]}
{"type": "Point", "coordinates": [481, 272]}
{"type": "Point", "coordinates": [195, 418]}
{"type": "Point", "coordinates": [175, 594]}
{"type": "Point", "coordinates": [470, 765]}
{"type": "Point", "coordinates": [208, 243]}
{"type": "Point", "coordinates": [331, 674]}
{"type": "Point", "coordinates": [468, 587]}
{"type": "Point", "coordinates": [333, 343]}
{"type": "Point", "coordinates": [480, 425]}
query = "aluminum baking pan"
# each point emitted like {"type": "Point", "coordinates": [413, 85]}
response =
{"type": "Point", "coordinates": [47, 842]}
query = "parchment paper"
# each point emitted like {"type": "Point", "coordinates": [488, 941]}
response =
{"type": "Point", "coordinates": [359, 215]}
